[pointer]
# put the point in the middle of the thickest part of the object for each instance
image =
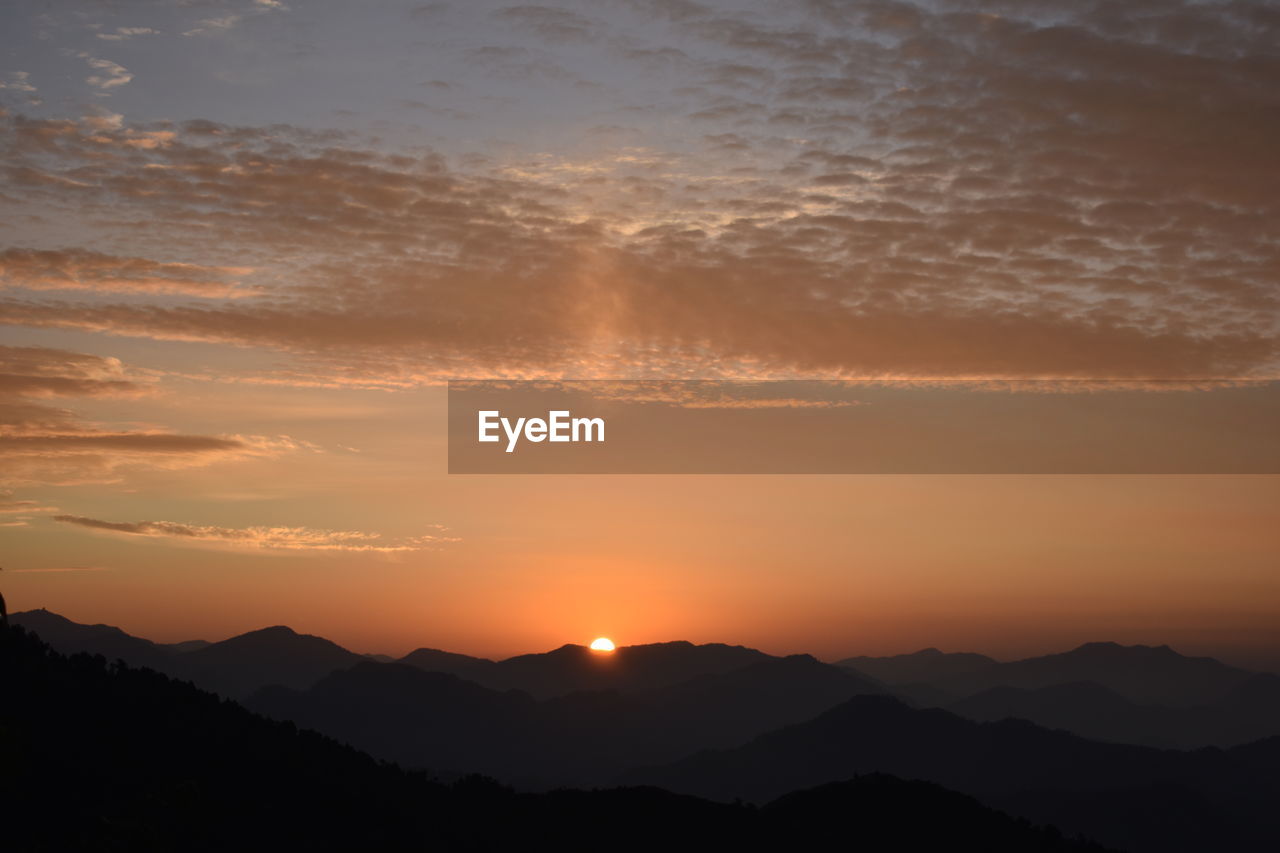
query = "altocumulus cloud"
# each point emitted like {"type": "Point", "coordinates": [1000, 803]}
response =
{"type": "Point", "coordinates": [970, 188]}
{"type": "Point", "coordinates": [271, 538]}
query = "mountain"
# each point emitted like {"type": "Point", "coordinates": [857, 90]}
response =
{"type": "Point", "coordinates": [886, 813]}
{"type": "Point", "coordinates": [926, 665]}
{"type": "Point", "coordinates": [112, 643]}
{"type": "Point", "coordinates": [1249, 711]}
{"type": "Point", "coordinates": [729, 708]}
{"type": "Point", "coordinates": [1154, 675]}
{"type": "Point", "coordinates": [429, 720]}
{"type": "Point", "coordinates": [1084, 708]}
{"type": "Point", "coordinates": [448, 725]}
{"type": "Point", "coordinates": [240, 665]}
{"type": "Point", "coordinates": [1128, 796]}
{"type": "Point", "coordinates": [142, 762]}
{"type": "Point", "coordinates": [235, 667]}
{"type": "Point", "coordinates": [278, 655]}
{"type": "Point", "coordinates": [435, 660]}
{"type": "Point", "coordinates": [572, 667]}
{"type": "Point", "coordinates": [187, 646]}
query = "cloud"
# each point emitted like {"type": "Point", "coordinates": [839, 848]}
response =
{"type": "Point", "coordinates": [267, 538]}
{"type": "Point", "coordinates": [225, 23]}
{"type": "Point", "coordinates": [44, 444]}
{"type": "Point", "coordinates": [214, 26]}
{"type": "Point", "coordinates": [126, 33]}
{"type": "Point", "coordinates": [17, 81]}
{"type": "Point", "coordinates": [79, 269]}
{"type": "Point", "coordinates": [109, 75]}
{"type": "Point", "coordinates": [974, 189]}
{"type": "Point", "coordinates": [103, 120]}
{"type": "Point", "coordinates": [550, 23]}
{"type": "Point", "coordinates": [60, 569]}
{"type": "Point", "coordinates": [9, 505]}
{"type": "Point", "coordinates": [47, 372]}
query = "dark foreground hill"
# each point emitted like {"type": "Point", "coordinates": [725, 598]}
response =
{"type": "Point", "coordinates": [105, 757]}
{"type": "Point", "coordinates": [1129, 796]}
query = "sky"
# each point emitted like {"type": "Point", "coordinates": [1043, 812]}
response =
{"type": "Point", "coordinates": [243, 244]}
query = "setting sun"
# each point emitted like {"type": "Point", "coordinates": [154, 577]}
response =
{"type": "Point", "coordinates": [602, 644]}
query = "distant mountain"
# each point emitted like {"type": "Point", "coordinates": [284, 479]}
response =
{"type": "Point", "coordinates": [1155, 675]}
{"type": "Point", "coordinates": [614, 731]}
{"type": "Point", "coordinates": [435, 660]}
{"type": "Point", "coordinates": [1083, 708]}
{"type": "Point", "coordinates": [1127, 796]}
{"type": "Point", "coordinates": [572, 667]}
{"type": "Point", "coordinates": [446, 724]}
{"type": "Point", "coordinates": [187, 646]}
{"type": "Point", "coordinates": [1249, 711]}
{"type": "Point", "coordinates": [140, 762]}
{"type": "Point", "coordinates": [926, 665]}
{"type": "Point", "coordinates": [239, 666]}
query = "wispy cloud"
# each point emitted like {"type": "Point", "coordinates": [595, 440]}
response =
{"type": "Point", "coordinates": [60, 570]}
{"type": "Point", "coordinates": [47, 444]}
{"type": "Point", "coordinates": [108, 74]}
{"type": "Point", "coordinates": [17, 81]}
{"type": "Point", "coordinates": [126, 33]}
{"type": "Point", "coordinates": [225, 23]}
{"type": "Point", "coordinates": [214, 26]}
{"type": "Point", "coordinates": [9, 505]}
{"type": "Point", "coordinates": [270, 538]}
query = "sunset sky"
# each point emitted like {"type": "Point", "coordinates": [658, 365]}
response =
{"type": "Point", "coordinates": [243, 244]}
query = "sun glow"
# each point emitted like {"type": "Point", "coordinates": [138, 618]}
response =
{"type": "Point", "coordinates": [602, 644]}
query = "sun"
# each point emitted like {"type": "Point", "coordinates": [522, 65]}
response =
{"type": "Point", "coordinates": [602, 644]}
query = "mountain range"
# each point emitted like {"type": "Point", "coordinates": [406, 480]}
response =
{"type": "Point", "coordinates": [728, 722]}
{"type": "Point", "coordinates": [1147, 695]}
{"type": "Point", "coordinates": [447, 724]}
{"type": "Point", "coordinates": [1132, 797]}
{"type": "Point", "coordinates": [108, 757]}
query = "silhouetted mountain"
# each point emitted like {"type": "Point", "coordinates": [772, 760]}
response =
{"type": "Point", "coordinates": [926, 665]}
{"type": "Point", "coordinates": [1155, 675]}
{"type": "Point", "coordinates": [613, 731]}
{"type": "Point", "coordinates": [113, 644]}
{"type": "Point", "coordinates": [446, 724]}
{"type": "Point", "coordinates": [186, 646]}
{"type": "Point", "coordinates": [572, 667]}
{"type": "Point", "coordinates": [435, 660]}
{"type": "Point", "coordinates": [100, 757]}
{"type": "Point", "coordinates": [243, 664]}
{"type": "Point", "coordinates": [729, 708]}
{"type": "Point", "coordinates": [1128, 796]}
{"type": "Point", "coordinates": [1249, 711]}
{"type": "Point", "coordinates": [1083, 708]}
